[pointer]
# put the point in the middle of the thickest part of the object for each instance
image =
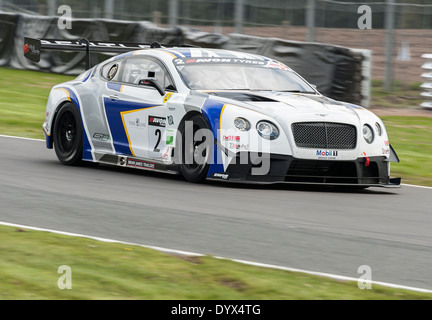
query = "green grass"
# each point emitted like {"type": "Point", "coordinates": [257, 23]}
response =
{"type": "Point", "coordinates": [411, 139]}
{"type": "Point", "coordinates": [30, 260]}
{"type": "Point", "coordinates": [402, 96]}
{"type": "Point", "coordinates": [23, 98]}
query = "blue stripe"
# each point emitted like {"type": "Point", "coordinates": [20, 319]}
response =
{"type": "Point", "coordinates": [113, 111]}
{"type": "Point", "coordinates": [88, 74]}
{"type": "Point", "coordinates": [186, 52]}
{"type": "Point", "coordinates": [354, 106]}
{"type": "Point", "coordinates": [212, 111]}
{"type": "Point", "coordinates": [48, 140]}
{"type": "Point", "coordinates": [176, 54]}
{"type": "Point", "coordinates": [114, 86]}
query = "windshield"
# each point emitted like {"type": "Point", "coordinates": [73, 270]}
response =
{"type": "Point", "coordinates": [239, 74]}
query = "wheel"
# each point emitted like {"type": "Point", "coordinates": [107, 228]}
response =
{"type": "Point", "coordinates": [196, 149]}
{"type": "Point", "coordinates": [68, 135]}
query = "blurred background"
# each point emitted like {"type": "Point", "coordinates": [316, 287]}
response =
{"type": "Point", "coordinates": [333, 22]}
{"type": "Point", "coordinates": [400, 34]}
{"type": "Point", "coordinates": [380, 68]}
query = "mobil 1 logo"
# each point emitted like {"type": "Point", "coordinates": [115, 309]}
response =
{"type": "Point", "coordinates": [156, 127]}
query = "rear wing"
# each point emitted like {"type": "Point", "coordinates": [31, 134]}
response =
{"type": "Point", "coordinates": [33, 47]}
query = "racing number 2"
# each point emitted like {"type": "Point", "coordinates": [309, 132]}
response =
{"type": "Point", "coordinates": [158, 133]}
{"type": "Point", "coordinates": [156, 129]}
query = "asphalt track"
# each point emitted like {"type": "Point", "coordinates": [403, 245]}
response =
{"type": "Point", "coordinates": [311, 228]}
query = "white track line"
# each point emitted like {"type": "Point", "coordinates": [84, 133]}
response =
{"type": "Point", "coordinates": [21, 138]}
{"type": "Point", "coordinates": [415, 186]}
{"type": "Point", "coordinates": [100, 239]}
{"type": "Point", "coordinates": [187, 253]}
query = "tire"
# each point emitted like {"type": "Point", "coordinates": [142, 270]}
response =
{"type": "Point", "coordinates": [192, 170]}
{"type": "Point", "coordinates": [68, 135]}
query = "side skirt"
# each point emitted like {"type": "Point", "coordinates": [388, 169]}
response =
{"type": "Point", "coordinates": [137, 163]}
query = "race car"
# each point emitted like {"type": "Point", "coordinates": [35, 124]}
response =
{"type": "Point", "coordinates": [212, 114]}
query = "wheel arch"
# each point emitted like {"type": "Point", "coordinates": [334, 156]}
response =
{"type": "Point", "coordinates": [188, 116]}
{"type": "Point", "coordinates": [54, 118]}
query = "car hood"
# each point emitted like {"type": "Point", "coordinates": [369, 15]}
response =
{"type": "Point", "coordinates": [285, 104]}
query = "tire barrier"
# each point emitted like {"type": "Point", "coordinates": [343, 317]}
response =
{"type": "Point", "coordinates": [427, 86]}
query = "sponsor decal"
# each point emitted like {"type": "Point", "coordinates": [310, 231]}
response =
{"type": "Point", "coordinates": [156, 131]}
{"type": "Point", "coordinates": [101, 136]}
{"type": "Point", "coordinates": [166, 156]}
{"type": "Point", "coordinates": [238, 146]}
{"type": "Point", "coordinates": [220, 60]}
{"type": "Point", "coordinates": [167, 96]}
{"type": "Point", "coordinates": [223, 176]}
{"type": "Point", "coordinates": [135, 163]}
{"type": "Point", "coordinates": [230, 138]}
{"type": "Point", "coordinates": [327, 153]}
{"type": "Point", "coordinates": [32, 49]}
{"type": "Point", "coordinates": [138, 123]}
{"type": "Point", "coordinates": [157, 121]}
{"type": "Point", "coordinates": [276, 65]}
{"type": "Point", "coordinates": [385, 150]}
{"type": "Point", "coordinates": [169, 137]}
{"type": "Point", "coordinates": [386, 143]}
{"type": "Point", "coordinates": [170, 120]}
{"type": "Point", "coordinates": [96, 44]}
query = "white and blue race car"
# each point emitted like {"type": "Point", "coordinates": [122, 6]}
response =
{"type": "Point", "coordinates": [214, 114]}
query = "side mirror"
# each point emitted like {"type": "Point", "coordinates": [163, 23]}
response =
{"type": "Point", "coordinates": [152, 83]}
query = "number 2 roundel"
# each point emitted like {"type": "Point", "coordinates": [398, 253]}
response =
{"type": "Point", "coordinates": [156, 127]}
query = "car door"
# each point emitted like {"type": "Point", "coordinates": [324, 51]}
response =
{"type": "Point", "coordinates": [135, 105]}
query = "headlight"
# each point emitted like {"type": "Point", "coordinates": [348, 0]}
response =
{"type": "Point", "coordinates": [267, 130]}
{"type": "Point", "coordinates": [368, 133]}
{"type": "Point", "coordinates": [242, 124]}
{"type": "Point", "coordinates": [378, 128]}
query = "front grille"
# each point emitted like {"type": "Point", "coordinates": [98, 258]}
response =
{"type": "Point", "coordinates": [328, 135]}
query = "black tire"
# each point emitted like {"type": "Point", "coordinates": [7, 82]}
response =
{"type": "Point", "coordinates": [68, 135]}
{"type": "Point", "coordinates": [192, 170]}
